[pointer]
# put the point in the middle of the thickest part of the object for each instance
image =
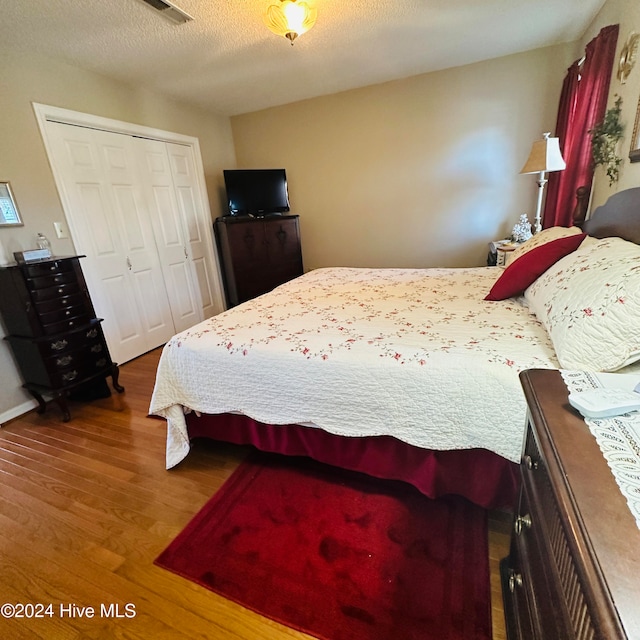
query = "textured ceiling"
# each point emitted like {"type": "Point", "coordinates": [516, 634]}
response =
{"type": "Point", "coordinates": [227, 61]}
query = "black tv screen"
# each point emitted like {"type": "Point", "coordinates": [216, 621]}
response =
{"type": "Point", "coordinates": [256, 192]}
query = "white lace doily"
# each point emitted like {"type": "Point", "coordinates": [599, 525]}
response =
{"type": "Point", "coordinates": [619, 437]}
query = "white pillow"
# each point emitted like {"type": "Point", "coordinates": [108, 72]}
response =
{"type": "Point", "coordinates": [546, 235]}
{"type": "Point", "coordinates": [589, 302]}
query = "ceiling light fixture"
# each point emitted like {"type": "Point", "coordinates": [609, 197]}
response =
{"type": "Point", "coordinates": [290, 18]}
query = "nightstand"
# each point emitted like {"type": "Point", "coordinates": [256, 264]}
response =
{"type": "Point", "coordinates": [498, 251]}
{"type": "Point", "coordinates": [503, 252]}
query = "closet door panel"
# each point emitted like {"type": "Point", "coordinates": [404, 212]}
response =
{"type": "Point", "coordinates": [206, 289]}
{"type": "Point", "coordinates": [132, 217]}
{"type": "Point", "coordinates": [124, 318]}
{"type": "Point", "coordinates": [117, 304]}
{"type": "Point", "coordinates": [181, 280]}
{"type": "Point", "coordinates": [185, 308]}
{"type": "Point", "coordinates": [116, 299]}
{"type": "Point", "coordinates": [198, 224]}
{"type": "Point", "coordinates": [154, 311]}
{"type": "Point", "coordinates": [165, 207]}
{"type": "Point", "coordinates": [187, 208]}
{"type": "Point", "coordinates": [94, 225]}
{"type": "Point", "coordinates": [170, 234]}
{"type": "Point", "coordinates": [129, 210]}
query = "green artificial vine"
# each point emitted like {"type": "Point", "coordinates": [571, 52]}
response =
{"type": "Point", "coordinates": [604, 141]}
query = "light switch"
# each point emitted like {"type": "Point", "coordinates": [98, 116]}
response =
{"type": "Point", "coordinates": [61, 230]}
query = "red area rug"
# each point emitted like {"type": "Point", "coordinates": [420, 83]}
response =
{"type": "Point", "coordinates": [340, 555]}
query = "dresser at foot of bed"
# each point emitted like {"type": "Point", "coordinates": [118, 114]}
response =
{"type": "Point", "coordinates": [573, 569]}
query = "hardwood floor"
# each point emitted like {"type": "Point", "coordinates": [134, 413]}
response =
{"type": "Point", "coordinates": [86, 506]}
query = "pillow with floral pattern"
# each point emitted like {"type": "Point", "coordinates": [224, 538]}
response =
{"type": "Point", "coordinates": [544, 236]}
{"type": "Point", "coordinates": [589, 302]}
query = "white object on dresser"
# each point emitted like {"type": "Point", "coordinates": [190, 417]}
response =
{"type": "Point", "coordinates": [605, 403]}
{"type": "Point", "coordinates": [617, 437]}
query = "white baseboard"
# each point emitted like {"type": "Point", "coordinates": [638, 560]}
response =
{"type": "Point", "coordinates": [21, 409]}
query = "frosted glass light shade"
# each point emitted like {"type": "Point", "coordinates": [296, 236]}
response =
{"type": "Point", "coordinates": [545, 156]}
{"type": "Point", "coordinates": [290, 18]}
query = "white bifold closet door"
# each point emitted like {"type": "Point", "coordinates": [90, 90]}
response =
{"type": "Point", "coordinates": [171, 192]}
{"type": "Point", "coordinates": [132, 207]}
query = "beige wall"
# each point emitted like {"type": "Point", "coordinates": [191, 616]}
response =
{"type": "Point", "coordinates": [24, 164]}
{"type": "Point", "coordinates": [626, 13]}
{"type": "Point", "coordinates": [414, 173]}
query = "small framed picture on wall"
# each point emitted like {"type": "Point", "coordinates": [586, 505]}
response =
{"type": "Point", "coordinates": [9, 214]}
{"type": "Point", "coordinates": [634, 152]}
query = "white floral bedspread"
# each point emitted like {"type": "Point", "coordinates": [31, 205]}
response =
{"type": "Point", "coordinates": [414, 353]}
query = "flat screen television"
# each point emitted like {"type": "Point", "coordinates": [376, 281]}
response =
{"type": "Point", "coordinates": [256, 192]}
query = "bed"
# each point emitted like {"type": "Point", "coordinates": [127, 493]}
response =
{"type": "Point", "coordinates": [410, 374]}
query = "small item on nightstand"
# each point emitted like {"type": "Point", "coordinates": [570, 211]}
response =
{"type": "Point", "coordinates": [522, 229]}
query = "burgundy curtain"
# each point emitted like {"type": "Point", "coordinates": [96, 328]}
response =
{"type": "Point", "coordinates": [583, 103]}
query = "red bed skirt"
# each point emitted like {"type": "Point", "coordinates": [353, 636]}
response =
{"type": "Point", "coordinates": [481, 476]}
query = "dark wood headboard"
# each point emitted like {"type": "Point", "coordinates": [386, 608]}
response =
{"type": "Point", "coordinates": [618, 216]}
{"type": "Point", "coordinates": [582, 206]}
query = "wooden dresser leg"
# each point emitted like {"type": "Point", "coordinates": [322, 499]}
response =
{"type": "Point", "coordinates": [41, 403]}
{"type": "Point", "coordinates": [61, 399]}
{"type": "Point", "coordinates": [115, 373]}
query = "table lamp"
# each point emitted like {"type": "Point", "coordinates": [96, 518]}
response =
{"type": "Point", "coordinates": [545, 156]}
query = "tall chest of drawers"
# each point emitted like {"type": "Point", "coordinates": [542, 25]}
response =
{"type": "Point", "coordinates": [573, 569]}
{"type": "Point", "coordinates": [56, 339]}
{"type": "Point", "coordinates": [257, 254]}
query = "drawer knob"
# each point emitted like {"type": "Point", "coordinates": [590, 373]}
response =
{"type": "Point", "coordinates": [60, 344]}
{"type": "Point", "coordinates": [68, 377]}
{"type": "Point", "coordinates": [515, 581]}
{"type": "Point", "coordinates": [530, 463]}
{"type": "Point", "coordinates": [521, 523]}
{"type": "Point", "coordinates": [63, 361]}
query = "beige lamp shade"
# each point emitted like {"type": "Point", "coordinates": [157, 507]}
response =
{"type": "Point", "coordinates": [545, 156]}
{"type": "Point", "coordinates": [290, 18]}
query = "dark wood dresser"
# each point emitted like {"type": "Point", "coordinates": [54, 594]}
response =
{"type": "Point", "coordinates": [573, 569]}
{"type": "Point", "coordinates": [257, 254]}
{"type": "Point", "coordinates": [55, 337]}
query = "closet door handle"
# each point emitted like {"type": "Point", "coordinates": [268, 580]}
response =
{"type": "Point", "coordinates": [128, 263]}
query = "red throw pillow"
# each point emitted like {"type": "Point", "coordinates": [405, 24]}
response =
{"type": "Point", "coordinates": [526, 269]}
